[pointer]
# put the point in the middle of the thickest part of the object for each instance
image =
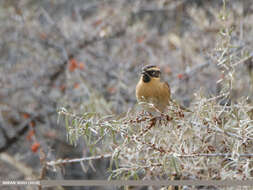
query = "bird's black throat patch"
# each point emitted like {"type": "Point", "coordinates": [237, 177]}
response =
{"type": "Point", "coordinates": [145, 78]}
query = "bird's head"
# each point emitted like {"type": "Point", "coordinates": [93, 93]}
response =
{"type": "Point", "coordinates": [150, 72]}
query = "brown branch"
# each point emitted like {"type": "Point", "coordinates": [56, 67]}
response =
{"type": "Point", "coordinates": [23, 128]}
{"type": "Point", "coordinates": [74, 51]}
{"type": "Point", "coordinates": [11, 140]}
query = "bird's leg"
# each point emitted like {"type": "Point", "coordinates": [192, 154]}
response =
{"type": "Point", "coordinates": [146, 113]}
{"type": "Point", "coordinates": [143, 112]}
{"type": "Point", "coordinates": [158, 118]}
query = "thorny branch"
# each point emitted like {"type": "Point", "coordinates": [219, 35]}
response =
{"type": "Point", "coordinates": [67, 161]}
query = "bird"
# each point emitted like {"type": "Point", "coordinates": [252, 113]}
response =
{"type": "Point", "coordinates": [154, 93]}
{"type": "Point", "coordinates": [150, 89]}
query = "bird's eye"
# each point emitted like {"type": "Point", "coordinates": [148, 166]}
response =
{"type": "Point", "coordinates": [155, 73]}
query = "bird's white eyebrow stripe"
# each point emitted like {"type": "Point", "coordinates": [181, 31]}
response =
{"type": "Point", "coordinates": [153, 69]}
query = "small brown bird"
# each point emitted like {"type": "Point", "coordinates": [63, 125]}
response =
{"type": "Point", "coordinates": [150, 89]}
{"type": "Point", "coordinates": [153, 92]}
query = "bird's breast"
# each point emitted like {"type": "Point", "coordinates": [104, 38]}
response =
{"type": "Point", "coordinates": [153, 92]}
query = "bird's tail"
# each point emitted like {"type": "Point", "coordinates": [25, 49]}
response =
{"type": "Point", "coordinates": [180, 106]}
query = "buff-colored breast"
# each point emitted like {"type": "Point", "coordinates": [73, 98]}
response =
{"type": "Point", "coordinates": [155, 92]}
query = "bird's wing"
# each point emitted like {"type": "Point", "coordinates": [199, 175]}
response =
{"type": "Point", "coordinates": [167, 87]}
{"type": "Point", "coordinates": [173, 101]}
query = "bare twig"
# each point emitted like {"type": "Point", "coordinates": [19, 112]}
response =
{"type": "Point", "coordinates": [214, 155]}
{"type": "Point", "coordinates": [26, 170]}
{"type": "Point", "coordinates": [23, 128]}
{"type": "Point", "coordinates": [244, 59]}
{"type": "Point", "coordinates": [65, 161]}
{"type": "Point", "coordinates": [172, 7]}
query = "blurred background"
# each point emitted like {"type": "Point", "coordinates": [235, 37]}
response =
{"type": "Point", "coordinates": [86, 55]}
